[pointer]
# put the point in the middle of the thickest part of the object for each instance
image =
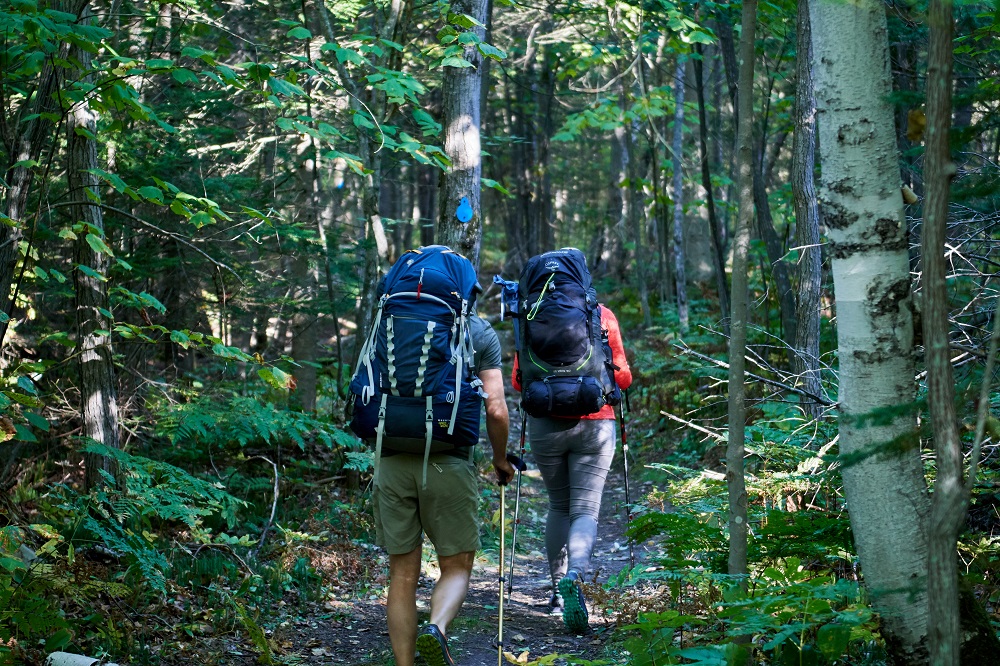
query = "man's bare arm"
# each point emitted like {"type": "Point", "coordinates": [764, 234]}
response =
{"type": "Point", "coordinates": [497, 422]}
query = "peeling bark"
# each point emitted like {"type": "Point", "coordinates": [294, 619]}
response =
{"type": "Point", "coordinates": [861, 203]}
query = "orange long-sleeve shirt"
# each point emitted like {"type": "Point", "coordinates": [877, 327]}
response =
{"type": "Point", "coordinates": [623, 375]}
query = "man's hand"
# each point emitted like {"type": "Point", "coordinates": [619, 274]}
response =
{"type": "Point", "coordinates": [504, 470]}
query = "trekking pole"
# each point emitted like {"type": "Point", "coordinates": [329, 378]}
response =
{"type": "Point", "coordinates": [503, 510]}
{"type": "Point", "coordinates": [628, 498]}
{"type": "Point", "coordinates": [520, 467]}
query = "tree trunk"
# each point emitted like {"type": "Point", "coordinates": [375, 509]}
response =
{"type": "Point", "coordinates": [718, 244]}
{"type": "Point", "coordinates": [765, 223]}
{"type": "Point", "coordinates": [806, 218]}
{"type": "Point", "coordinates": [735, 480]}
{"type": "Point", "coordinates": [460, 223]}
{"type": "Point", "coordinates": [949, 501]}
{"type": "Point", "coordinates": [636, 224]}
{"type": "Point", "coordinates": [775, 252]}
{"type": "Point", "coordinates": [98, 392]}
{"type": "Point", "coordinates": [863, 210]}
{"type": "Point", "coordinates": [34, 130]}
{"type": "Point", "coordinates": [374, 244]}
{"type": "Point", "coordinates": [613, 246]}
{"type": "Point", "coordinates": [680, 276]}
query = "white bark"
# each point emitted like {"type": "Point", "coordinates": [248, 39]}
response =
{"type": "Point", "coordinates": [462, 91]}
{"type": "Point", "coordinates": [863, 209]}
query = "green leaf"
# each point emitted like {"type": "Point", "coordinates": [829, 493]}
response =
{"type": "Point", "coordinates": [489, 182]}
{"type": "Point", "coordinates": [455, 61]}
{"type": "Point", "coordinates": [201, 219]}
{"type": "Point", "coordinates": [184, 76]}
{"type": "Point", "coordinates": [67, 234]}
{"type": "Point", "coordinates": [276, 377]}
{"type": "Point", "coordinates": [491, 51]}
{"type": "Point", "coordinates": [151, 193]}
{"type": "Point", "coordinates": [98, 245]}
{"type": "Point", "coordinates": [12, 563]}
{"type": "Point", "coordinates": [91, 273]}
{"type": "Point", "coordinates": [195, 52]}
{"type": "Point", "coordinates": [178, 208]}
{"type": "Point", "coordinates": [464, 21]}
{"type": "Point", "coordinates": [40, 273]}
{"type": "Point", "coordinates": [361, 120]}
{"type": "Point", "coordinates": [37, 421]}
{"type": "Point", "coordinates": [283, 87]}
{"type": "Point", "coordinates": [21, 399]}
{"type": "Point", "coordinates": [159, 63]}
{"type": "Point", "coordinates": [149, 300]}
{"type": "Point", "coordinates": [299, 33]}
{"type": "Point", "coordinates": [60, 278]}
{"type": "Point", "coordinates": [180, 338]}
{"type": "Point", "coordinates": [26, 384]}
{"type": "Point", "coordinates": [113, 179]}
{"type": "Point", "coordinates": [233, 353]}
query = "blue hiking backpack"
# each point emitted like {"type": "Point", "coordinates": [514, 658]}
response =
{"type": "Point", "coordinates": [564, 356]}
{"type": "Point", "coordinates": [414, 390]}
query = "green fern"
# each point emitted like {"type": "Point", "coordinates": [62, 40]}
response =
{"type": "Point", "coordinates": [244, 421]}
{"type": "Point", "coordinates": [156, 493]}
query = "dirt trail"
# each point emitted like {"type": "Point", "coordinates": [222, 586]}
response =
{"type": "Point", "coordinates": [359, 637]}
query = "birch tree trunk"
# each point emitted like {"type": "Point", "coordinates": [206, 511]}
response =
{"type": "Point", "coordinates": [98, 392]}
{"type": "Point", "coordinates": [806, 216]}
{"type": "Point", "coordinates": [863, 210]}
{"type": "Point", "coordinates": [461, 102]}
{"type": "Point", "coordinates": [680, 277]}
{"type": "Point", "coordinates": [949, 501]}
{"type": "Point", "coordinates": [735, 480]}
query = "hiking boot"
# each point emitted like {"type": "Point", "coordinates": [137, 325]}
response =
{"type": "Point", "coordinates": [555, 605]}
{"type": "Point", "coordinates": [574, 605]}
{"type": "Point", "coordinates": [433, 647]}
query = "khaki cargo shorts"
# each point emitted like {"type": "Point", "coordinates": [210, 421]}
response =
{"type": "Point", "coordinates": [446, 509]}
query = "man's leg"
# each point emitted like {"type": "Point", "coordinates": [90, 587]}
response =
{"type": "Point", "coordinates": [451, 588]}
{"type": "Point", "coordinates": [401, 605]}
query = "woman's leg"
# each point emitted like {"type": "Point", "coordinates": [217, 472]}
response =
{"type": "Point", "coordinates": [549, 448]}
{"type": "Point", "coordinates": [588, 462]}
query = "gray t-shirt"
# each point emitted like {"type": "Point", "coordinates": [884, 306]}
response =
{"type": "Point", "coordinates": [486, 345]}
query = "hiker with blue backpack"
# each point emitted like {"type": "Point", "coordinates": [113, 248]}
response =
{"type": "Point", "coordinates": [570, 368]}
{"type": "Point", "coordinates": [428, 367]}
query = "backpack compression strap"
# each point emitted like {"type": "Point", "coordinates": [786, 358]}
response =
{"type": "Point", "coordinates": [368, 352]}
{"type": "Point", "coordinates": [379, 431]}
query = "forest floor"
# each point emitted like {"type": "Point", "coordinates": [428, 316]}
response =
{"type": "Point", "coordinates": [351, 629]}
{"type": "Point", "coordinates": [360, 637]}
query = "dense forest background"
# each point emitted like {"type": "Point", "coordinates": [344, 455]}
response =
{"type": "Point", "coordinates": [791, 207]}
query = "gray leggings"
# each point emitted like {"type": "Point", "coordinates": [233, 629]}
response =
{"type": "Point", "coordinates": [574, 456]}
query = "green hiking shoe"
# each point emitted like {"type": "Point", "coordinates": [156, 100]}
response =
{"type": "Point", "coordinates": [433, 647]}
{"type": "Point", "coordinates": [574, 605]}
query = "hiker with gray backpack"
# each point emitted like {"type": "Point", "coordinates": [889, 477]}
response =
{"type": "Point", "coordinates": [428, 367]}
{"type": "Point", "coordinates": [570, 368]}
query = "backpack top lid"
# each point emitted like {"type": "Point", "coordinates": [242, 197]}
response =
{"type": "Point", "coordinates": [569, 261]}
{"type": "Point", "coordinates": [560, 310]}
{"type": "Point", "coordinates": [436, 270]}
